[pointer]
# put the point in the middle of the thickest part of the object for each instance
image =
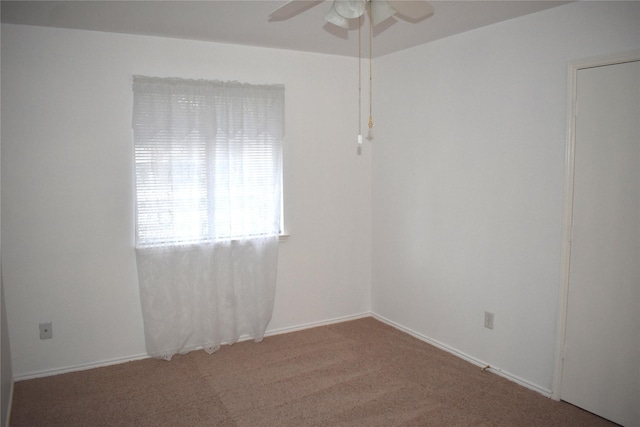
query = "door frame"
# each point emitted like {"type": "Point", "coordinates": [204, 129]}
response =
{"type": "Point", "coordinates": [567, 220]}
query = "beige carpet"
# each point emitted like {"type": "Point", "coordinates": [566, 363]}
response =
{"type": "Point", "coordinates": [358, 373]}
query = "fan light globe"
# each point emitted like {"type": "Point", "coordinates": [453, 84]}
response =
{"type": "Point", "coordinates": [350, 8]}
{"type": "Point", "coordinates": [336, 19]}
{"type": "Point", "coordinates": [343, 10]}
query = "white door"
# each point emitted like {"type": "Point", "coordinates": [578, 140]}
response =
{"type": "Point", "coordinates": [601, 369]}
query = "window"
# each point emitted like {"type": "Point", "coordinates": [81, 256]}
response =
{"type": "Point", "coordinates": [208, 160]}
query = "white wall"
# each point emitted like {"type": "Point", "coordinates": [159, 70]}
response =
{"type": "Point", "coordinates": [67, 202]}
{"type": "Point", "coordinates": [6, 370]}
{"type": "Point", "coordinates": [467, 180]}
{"type": "Point", "coordinates": [468, 176]}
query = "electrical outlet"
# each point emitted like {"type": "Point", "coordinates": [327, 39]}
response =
{"type": "Point", "coordinates": [488, 320]}
{"type": "Point", "coordinates": [45, 331]}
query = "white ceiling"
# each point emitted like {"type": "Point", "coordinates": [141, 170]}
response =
{"type": "Point", "coordinates": [246, 22]}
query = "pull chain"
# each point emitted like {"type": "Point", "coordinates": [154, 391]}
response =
{"type": "Point", "coordinates": [359, 81]}
{"type": "Point", "coordinates": [370, 68]}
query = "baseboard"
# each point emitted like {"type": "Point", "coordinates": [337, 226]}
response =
{"type": "Point", "coordinates": [316, 324]}
{"type": "Point", "coordinates": [93, 365]}
{"type": "Point", "coordinates": [505, 374]}
{"type": "Point", "coordinates": [302, 327]}
{"type": "Point", "coordinates": [81, 367]}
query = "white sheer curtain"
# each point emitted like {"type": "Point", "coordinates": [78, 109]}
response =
{"type": "Point", "coordinates": [208, 159]}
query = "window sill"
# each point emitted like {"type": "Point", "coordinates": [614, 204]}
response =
{"type": "Point", "coordinates": [281, 237]}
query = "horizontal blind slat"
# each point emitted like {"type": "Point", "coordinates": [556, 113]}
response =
{"type": "Point", "coordinates": [208, 159]}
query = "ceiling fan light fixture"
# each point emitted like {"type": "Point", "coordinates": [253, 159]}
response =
{"type": "Point", "coordinates": [380, 11]}
{"type": "Point", "coordinates": [335, 18]}
{"type": "Point", "coordinates": [350, 8]}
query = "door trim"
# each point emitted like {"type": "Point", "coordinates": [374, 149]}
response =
{"type": "Point", "coordinates": [563, 298]}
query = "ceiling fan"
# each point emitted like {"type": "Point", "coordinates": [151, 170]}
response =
{"type": "Point", "coordinates": [342, 11]}
{"type": "Point", "coordinates": [341, 14]}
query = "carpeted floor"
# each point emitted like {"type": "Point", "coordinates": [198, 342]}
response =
{"type": "Point", "coordinates": [357, 373]}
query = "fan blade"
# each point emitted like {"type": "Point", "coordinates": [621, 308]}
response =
{"type": "Point", "coordinates": [380, 11]}
{"type": "Point", "coordinates": [292, 8]}
{"type": "Point", "coordinates": [414, 10]}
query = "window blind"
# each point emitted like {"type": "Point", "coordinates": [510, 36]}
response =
{"type": "Point", "coordinates": [208, 160]}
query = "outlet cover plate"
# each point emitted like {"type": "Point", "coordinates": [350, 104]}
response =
{"type": "Point", "coordinates": [488, 320]}
{"type": "Point", "coordinates": [45, 331]}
